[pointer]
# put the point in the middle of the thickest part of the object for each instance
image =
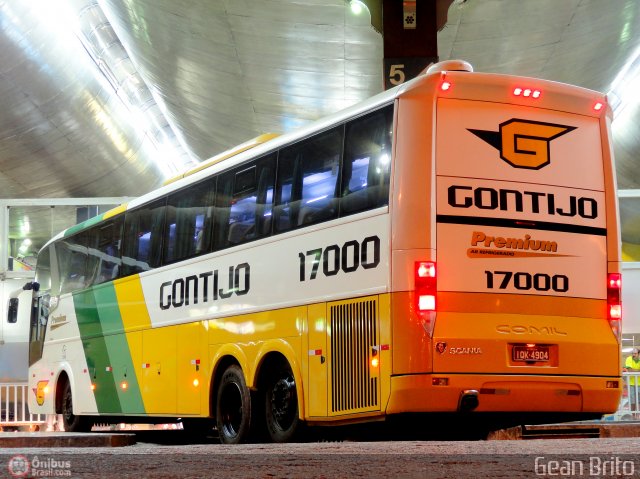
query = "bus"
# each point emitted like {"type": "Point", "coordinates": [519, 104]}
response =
{"type": "Point", "coordinates": [450, 246]}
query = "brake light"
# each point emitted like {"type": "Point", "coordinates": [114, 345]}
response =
{"type": "Point", "coordinates": [445, 84]}
{"type": "Point", "coordinates": [614, 302]}
{"type": "Point", "coordinates": [425, 283]}
{"type": "Point", "coordinates": [527, 92]}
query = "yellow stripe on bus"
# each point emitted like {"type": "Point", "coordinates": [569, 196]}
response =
{"type": "Point", "coordinates": [115, 211]}
{"type": "Point", "coordinates": [133, 308]}
{"type": "Point", "coordinates": [135, 318]}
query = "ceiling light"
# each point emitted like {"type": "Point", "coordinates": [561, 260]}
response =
{"type": "Point", "coordinates": [356, 6]}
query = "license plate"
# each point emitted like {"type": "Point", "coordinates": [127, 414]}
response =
{"type": "Point", "coordinates": [530, 353]}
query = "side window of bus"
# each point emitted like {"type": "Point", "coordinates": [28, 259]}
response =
{"type": "Point", "coordinates": [189, 222]}
{"type": "Point", "coordinates": [367, 162]}
{"type": "Point", "coordinates": [244, 203]}
{"type": "Point", "coordinates": [142, 245]}
{"type": "Point", "coordinates": [73, 260]}
{"type": "Point", "coordinates": [43, 270]}
{"type": "Point", "coordinates": [104, 250]}
{"type": "Point", "coordinates": [308, 180]}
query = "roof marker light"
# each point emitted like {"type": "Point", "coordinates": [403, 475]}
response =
{"type": "Point", "coordinates": [598, 106]}
{"type": "Point", "coordinates": [445, 85]}
{"type": "Point", "coordinates": [527, 92]}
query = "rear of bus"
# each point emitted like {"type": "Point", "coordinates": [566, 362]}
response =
{"type": "Point", "coordinates": [505, 249]}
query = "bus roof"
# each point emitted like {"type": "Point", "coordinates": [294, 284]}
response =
{"type": "Point", "coordinates": [269, 142]}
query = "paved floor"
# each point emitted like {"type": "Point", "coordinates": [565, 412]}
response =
{"type": "Point", "coordinates": [398, 459]}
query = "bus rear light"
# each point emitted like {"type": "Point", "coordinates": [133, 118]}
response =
{"type": "Point", "coordinates": [615, 311]}
{"type": "Point", "coordinates": [425, 283]}
{"type": "Point", "coordinates": [527, 92]}
{"type": "Point", "coordinates": [440, 381]}
{"type": "Point", "coordinates": [614, 296]}
{"type": "Point", "coordinates": [426, 302]}
{"type": "Point", "coordinates": [614, 303]}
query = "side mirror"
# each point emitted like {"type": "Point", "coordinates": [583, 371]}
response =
{"type": "Point", "coordinates": [32, 285]}
{"type": "Point", "coordinates": [12, 314]}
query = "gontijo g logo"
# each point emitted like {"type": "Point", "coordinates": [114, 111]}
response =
{"type": "Point", "coordinates": [524, 143]}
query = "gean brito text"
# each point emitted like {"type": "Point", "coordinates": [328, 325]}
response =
{"type": "Point", "coordinates": [205, 287]}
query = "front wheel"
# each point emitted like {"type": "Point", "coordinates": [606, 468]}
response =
{"type": "Point", "coordinates": [71, 422]}
{"type": "Point", "coordinates": [281, 401]}
{"type": "Point", "coordinates": [233, 407]}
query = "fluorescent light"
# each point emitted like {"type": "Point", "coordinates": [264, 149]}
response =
{"type": "Point", "coordinates": [624, 88]}
{"type": "Point", "coordinates": [356, 7]}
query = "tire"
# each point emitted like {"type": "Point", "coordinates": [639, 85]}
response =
{"type": "Point", "coordinates": [71, 422]}
{"type": "Point", "coordinates": [233, 407]}
{"type": "Point", "coordinates": [281, 405]}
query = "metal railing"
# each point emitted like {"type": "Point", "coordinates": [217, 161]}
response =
{"type": "Point", "coordinates": [629, 407]}
{"type": "Point", "coordinates": [14, 410]}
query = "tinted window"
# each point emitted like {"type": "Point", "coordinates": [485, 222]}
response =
{"type": "Point", "coordinates": [143, 229]}
{"type": "Point", "coordinates": [244, 203]}
{"type": "Point", "coordinates": [43, 270]}
{"type": "Point", "coordinates": [307, 181]}
{"type": "Point", "coordinates": [367, 162]}
{"type": "Point", "coordinates": [189, 222]}
{"type": "Point", "coordinates": [104, 251]}
{"type": "Point", "coordinates": [72, 255]}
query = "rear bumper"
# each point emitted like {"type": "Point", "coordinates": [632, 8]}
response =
{"type": "Point", "coordinates": [504, 393]}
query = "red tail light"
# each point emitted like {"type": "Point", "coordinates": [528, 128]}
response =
{"type": "Point", "coordinates": [425, 282]}
{"type": "Point", "coordinates": [614, 295]}
{"type": "Point", "coordinates": [614, 303]}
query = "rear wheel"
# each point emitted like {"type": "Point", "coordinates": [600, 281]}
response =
{"type": "Point", "coordinates": [281, 401]}
{"type": "Point", "coordinates": [70, 421]}
{"type": "Point", "coordinates": [233, 407]}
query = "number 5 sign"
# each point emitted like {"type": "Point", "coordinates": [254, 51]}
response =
{"type": "Point", "coordinates": [399, 70]}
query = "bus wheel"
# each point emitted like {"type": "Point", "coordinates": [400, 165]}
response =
{"type": "Point", "coordinates": [281, 401]}
{"type": "Point", "coordinates": [70, 421]}
{"type": "Point", "coordinates": [233, 407]}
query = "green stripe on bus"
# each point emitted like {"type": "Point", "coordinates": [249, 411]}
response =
{"type": "Point", "coordinates": [118, 349]}
{"type": "Point", "coordinates": [96, 352]}
{"type": "Point", "coordinates": [85, 224]}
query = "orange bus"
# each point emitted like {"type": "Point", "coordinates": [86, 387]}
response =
{"type": "Point", "coordinates": [448, 246]}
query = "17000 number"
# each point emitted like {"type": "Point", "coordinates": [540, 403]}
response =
{"type": "Point", "coordinates": [525, 281]}
{"type": "Point", "coordinates": [346, 258]}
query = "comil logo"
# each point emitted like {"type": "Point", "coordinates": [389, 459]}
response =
{"type": "Point", "coordinates": [524, 143]}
